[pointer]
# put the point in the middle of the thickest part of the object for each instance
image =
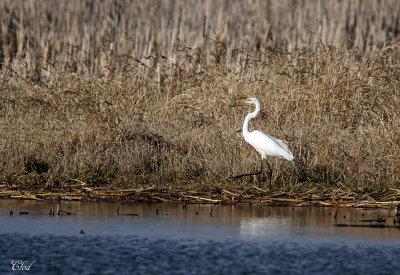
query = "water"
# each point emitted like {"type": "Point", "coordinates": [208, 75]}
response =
{"type": "Point", "coordinates": [171, 239]}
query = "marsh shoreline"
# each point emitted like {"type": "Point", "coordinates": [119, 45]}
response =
{"type": "Point", "coordinates": [321, 197]}
{"type": "Point", "coordinates": [86, 116]}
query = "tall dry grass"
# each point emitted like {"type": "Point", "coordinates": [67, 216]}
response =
{"type": "Point", "coordinates": [141, 93]}
{"type": "Point", "coordinates": [93, 32]}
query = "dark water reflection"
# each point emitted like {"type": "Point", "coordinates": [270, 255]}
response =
{"type": "Point", "coordinates": [198, 239]}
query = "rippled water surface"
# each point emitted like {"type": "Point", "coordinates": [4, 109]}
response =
{"type": "Point", "coordinates": [193, 239]}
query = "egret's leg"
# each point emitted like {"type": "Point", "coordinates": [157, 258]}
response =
{"type": "Point", "coordinates": [258, 173]}
{"type": "Point", "coordinates": [261, 167]}
{"type": "Point", "coordinates": [270, 175]}
{"type": "Point", "coordinates": [260, 176]}
{"type": "Point", "coordinates": [249, 174]}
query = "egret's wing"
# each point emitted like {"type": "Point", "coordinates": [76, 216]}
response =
{"type": "Point", "coordinates": [265, 144]}
{"type": "Point", "coordinates": [281, 143]}
{"type": "Point", "coordinates": [286, 148]}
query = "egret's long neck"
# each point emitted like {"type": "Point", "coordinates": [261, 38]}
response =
{"type": "Point", "coordinates": [248, 117]}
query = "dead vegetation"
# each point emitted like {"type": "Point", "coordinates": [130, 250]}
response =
{"type": "Point", "coordinates": [101, 97]}
{"type": "Point", "coordinates": [334, 196]}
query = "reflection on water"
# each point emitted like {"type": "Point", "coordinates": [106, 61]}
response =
{"type": "Point", "coordinates": [224, 221]}
{"type": "Point", "coordinates": [163, 238]}
{"type": "Point", "coordinates": [262, 226]}
{"type": "Point", "coordinates": [318, 221]}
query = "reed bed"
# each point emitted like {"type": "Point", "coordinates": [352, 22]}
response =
{"type": "Point", "coordinates": [135, 95]}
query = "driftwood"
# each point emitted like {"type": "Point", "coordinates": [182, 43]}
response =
{"type": "Point", "coordinates": [335, 196]}
{"type": "Point", "coordinates": [126, 214]}
{"type": "Point", "coordinates": [368, 225]}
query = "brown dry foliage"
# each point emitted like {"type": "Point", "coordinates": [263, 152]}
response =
{"type": "Point", "coordinates": [108, 95]}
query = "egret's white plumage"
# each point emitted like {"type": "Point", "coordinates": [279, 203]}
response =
{"type": "Point", "coordinates": [263, 143]}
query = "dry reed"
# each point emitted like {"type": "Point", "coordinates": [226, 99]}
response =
{"type": "Point", "coordinates": [137, 94]}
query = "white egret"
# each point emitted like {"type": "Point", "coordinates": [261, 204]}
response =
{"type": "Point", "coordinates": [263, 143]}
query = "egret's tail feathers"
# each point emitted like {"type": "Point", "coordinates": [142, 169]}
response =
{"type": "Point", "coordinates": [289, 156]}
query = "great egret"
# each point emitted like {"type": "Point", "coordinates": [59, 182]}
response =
{"type": "Point", "coordinates": [263, 143]}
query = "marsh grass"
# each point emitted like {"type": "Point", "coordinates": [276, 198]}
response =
{"type": "Point", "coordinates": [101, 97]}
